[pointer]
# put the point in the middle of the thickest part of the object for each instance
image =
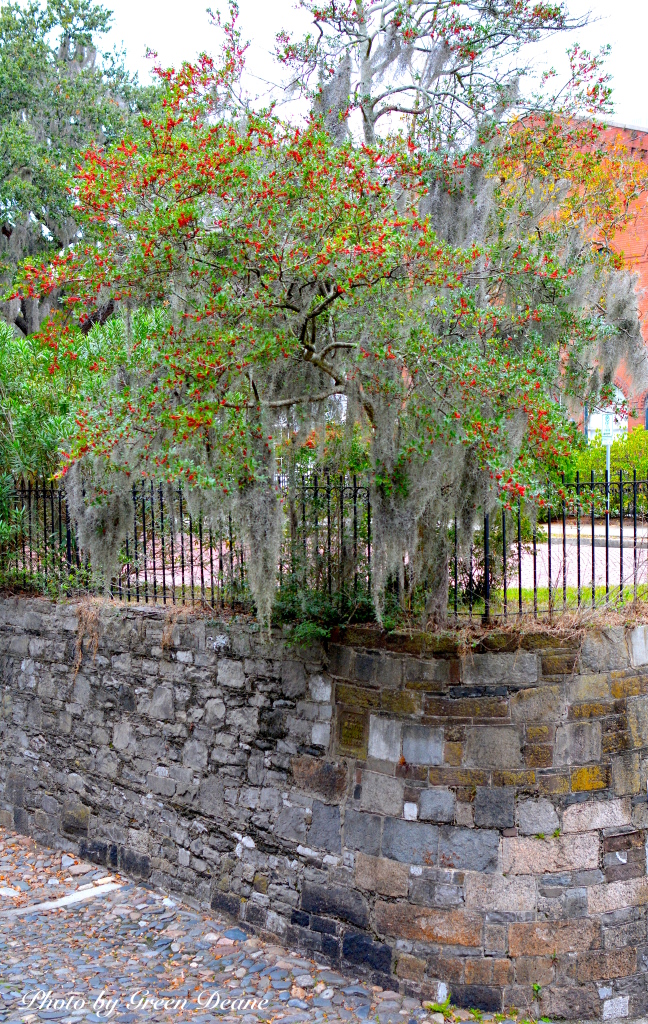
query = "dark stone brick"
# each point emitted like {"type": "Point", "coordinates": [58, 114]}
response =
{"type": "Point", "coordinates": [359, 948]}
{"type": "Point", "coordinates": [323, 924]}
{"type": "Point", "coordinates": [495, 807]}
{"type": "Point", "coordinates": [324, 832]}
{"type": "Point", "coordinates": [299, 917]}
{"type": "Point", "coordinates": [303, 938]}
{"type": "Point", "coordinates": [330, 947]}
{"type": "Point", "coordinates": [94, 850]}
{"type": "Point", "coordinates": [337, 901]}
{"type": "Point", "coordinates": [341, 661]}
{"type": "Point", "coordinates": [411, 842]}
{"type": "Point", "coordinates": [366, 667]}
{"type": "Point", "coordinates": [21, 821]}
{"type": "Point", "coordinates": [255, 915]}
{"type": "Point", "coordinates": [468, 848]}
{"type": "Point", "coordinates": [227, 903]}
{"type": "Point", "coordinates": [272, 724]}
{"type": "Point", "coordinates": [126, 698]}
{"type": "Point", "coordinates": [15, 789]}
{"type": "Point", "coordinates": [478, 997]}
{"type": "Point", "coordinates": [362, 831]}
{"type": "Point", "coordinates": [132, 863]}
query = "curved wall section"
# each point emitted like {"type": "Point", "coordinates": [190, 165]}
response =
{"type": "Point", "coordinates": [466, 824]}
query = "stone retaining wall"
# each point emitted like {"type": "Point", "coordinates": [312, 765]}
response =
{"type": "Point", "coordinates": [473, 824]}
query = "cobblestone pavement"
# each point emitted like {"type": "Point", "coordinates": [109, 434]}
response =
{"type": "Point", "coordinates": [79, 944]}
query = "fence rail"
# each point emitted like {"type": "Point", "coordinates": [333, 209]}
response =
{"type": "Point", "coordinates": [588, 548]}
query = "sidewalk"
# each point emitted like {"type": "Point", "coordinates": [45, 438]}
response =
{"type": "Point", "coordinates": [78, 944]}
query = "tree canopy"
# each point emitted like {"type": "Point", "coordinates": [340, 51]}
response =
{"type": "Point", "coordinates": [266, 278]}
{"type": "Point", "coordinates": [57, 95]}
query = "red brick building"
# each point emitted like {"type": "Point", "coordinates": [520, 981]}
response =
{"type": "Point", "coordinates": [632, 241]}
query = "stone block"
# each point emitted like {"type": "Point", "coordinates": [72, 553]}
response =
{"type": "Point", "coordinates": [400, 702]}
{"type": "Point", "coordinates": [75, 817]}
{"type": "Point", "coordinates": [511, 669]}
{"type": "Point", "coordinates": [495, 808]}
{"type": "Point", "coordinates": [597, 814]}
{"type": "Point", "coordinates": [577, 743]}
{"type": "Point", "coordinates": [536, 817]}
{"type": "Point", "coordinates": [468, 848]}
{"type": "Point", "coordinates": [161, 706]}
{"type": "Point", "coordinates": [615, 1008]}
{"type": "Point", "coordinates": [478, 971]}
{"type": "Point", "coordinates": [538, 704]}
{"type": "Point", "coordinates": [437, 888]}
{"type": "Point", "coordinates": [341, 661]}
{"type": "Point", "coordinates": [366, 667]}
{"type": "Point", "coordinates": [352, 732]}
{"type": "Point", "coordinates": [485, 706]}
{"type": "Point", "coordinates": [611, 896]}
{"type": "Point", "coordinates": [571, 1002]}
{"type": "Point", "coordinates": [214, 712]}
{"type": "Point", "coordinates": [137, 865]}
{"type": "Point", "coordinates": [544, 938]}
{"type": "Point", "coordinates": [626, 774]}
{"type": "Point", "coordinates": [362, 831]}
{"type": "Point", "coordinates": [481, 997]}
{"type": "Point", "coordinates": [437, 804]}
{"type": "Point", "coordinates": [335, 901]}
{"type": "Point", "coordinates": [412, 968]}
{"type": "Point", "coordinates": [50, 805]}
{"type": "Point", "coordinates": [601, 966]}
{"type": "Point", "coordinates": [606, 651]}
{"type": "Point", "coordinates": [381, 875]}
{"type": "Point", "coordinates": [385, 739]}
{"type": "Point", "coordinates": [422, 745]}
{"type": "Point", "coordinates": [638, 640]}
{"type": "Point", "coordinates": [492, 746]}
{"type": "Point", "coordinates": [226, 903]}
{"type": "Point", "coordinates": [589, 778]}
{"type": "Point", "coordinates": [496, 894]}
{"type": "Point", "coordinates": [416, 670]}
{"type": "Point", "coordinates": [319, 776]}
{"type": "Point", "coordinates": [446, 927]}
{"type": "Point", "coordinates": [588, 687]}
{"type": "Point", "coordinates": [194, 754]}
{"type": "Point", "coordinates": [357, 696]}
{"type": "Point", "coordinates": [358, 948]}
{"type": "Point", "coordinates": [324, 831]}
{"type": "Point", "coordinates": [526, 856]}
{"type": "Point", "coordinates": [124, 737]}
{"type": "Point", "coordinates": [637, 713]}
{"type": "Point", "coordinates": [559, 664]}
{"type": "Point", "coordinates": [160, 785]}
{"type": "Point", "coordinates": [411, 842]}
{"type": "Point", "coordinates": [534, 970]}
{"type": "Point", "coordinates": [230, 673]}
{"type": "Point", "coordinates": [388, 671]}
{"type": "Point", "coordinates": [291, 823]}
{"type": "Point", "coordinates": [320, 688]}
{"type": "Point", "coordinates": [321, 734]}
{"type": "Point", "coordinates": [382, 793]}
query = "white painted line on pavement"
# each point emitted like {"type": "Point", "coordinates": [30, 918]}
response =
{"type": "Point", "coordinates": [64, 901]}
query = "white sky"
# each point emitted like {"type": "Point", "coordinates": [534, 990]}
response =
{"type": "Point", "coordinates": [181, 30]}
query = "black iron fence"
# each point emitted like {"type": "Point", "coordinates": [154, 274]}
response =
{"type": "Point", "coordinates": [169, 556]}
{"type": "Point", "coordinates": [586, 548]}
